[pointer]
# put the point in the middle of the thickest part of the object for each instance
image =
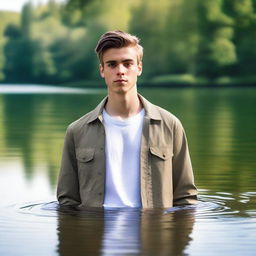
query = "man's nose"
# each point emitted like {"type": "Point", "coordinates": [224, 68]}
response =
{"type": "Point", "coordinates": [120, 69]}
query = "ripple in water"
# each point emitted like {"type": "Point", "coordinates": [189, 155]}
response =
{"type": "Point", "coordinates": [129, 231]}
{"type": "Point", "coordinates": [217, 205]}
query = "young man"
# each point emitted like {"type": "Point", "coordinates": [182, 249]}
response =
{"type": "Point", "coordinates": [127, 152]}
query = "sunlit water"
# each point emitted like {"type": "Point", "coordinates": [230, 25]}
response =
{"type": "Point", "coordinates": [220, 126]}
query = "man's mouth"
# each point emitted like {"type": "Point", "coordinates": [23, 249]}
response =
{"type": "Point", "coordinates": [120, 81]}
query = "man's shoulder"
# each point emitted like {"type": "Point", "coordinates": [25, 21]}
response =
{"type": "Point", "coordinates": [166, 116]}
{"type": "Point", "coordinates": [87, 118]}
{"type": "Point", "coordinates": [164, 112]}
{"type": "Point", "coordinates": [81, 122]}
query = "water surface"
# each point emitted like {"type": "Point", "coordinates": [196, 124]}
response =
{"type": "Point", "coordinates": [220, 126]}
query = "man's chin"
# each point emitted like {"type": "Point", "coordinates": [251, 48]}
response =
{"type": "Point", "coordinates": [121, 89]}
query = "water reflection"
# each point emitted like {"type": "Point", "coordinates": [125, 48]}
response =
{"type": "Point", "coordinates": [219, 219]}
{"type": "Point", "coordinates": [167, 234]}
{"type": "Point", "coordinates": [80, 233]}
{"type": "Point", "coordinates": [121, 232]}
{"type": "Point", "coordinates": [124, 232]}
{"type": "Point", "coordinates": [32, 128]}
{"type": "Point", "coordinates": [20, 112]}
{"type": "Point", "coordinates": [220, 126]}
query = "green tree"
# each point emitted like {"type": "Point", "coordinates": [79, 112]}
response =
{"type": "Point", "coordinates": [151, 29]}
{"type": "Point", "coordinates": [6, 18]}
{"type": "Point", "coordinates": [244, 16]}
{"type": "Point", "coordinates": [170, 39]}
{"type": "Point", "coordinates": [181, 37]}
{"type": "Point", "coordinates": [20, 49]}
{"type": "Point", "coordinates": [14, 69]}
{"type": "Point", "coordinates": [216, 48]}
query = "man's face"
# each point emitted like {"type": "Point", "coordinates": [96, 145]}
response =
{"type": "Point", "coordinates": [120, 68]}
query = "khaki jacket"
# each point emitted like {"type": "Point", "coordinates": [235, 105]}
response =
{"type": "Point", "coordinates": [166, 175]}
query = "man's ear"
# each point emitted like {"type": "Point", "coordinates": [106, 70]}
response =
{"type": "Point", "coordinates": [139, 68]}
{"type": "Point", "coordinates": [101, 68]}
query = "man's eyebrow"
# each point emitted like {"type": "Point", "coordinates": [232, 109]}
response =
{"type": "Point", "coordinates": [111, 61]}
{"type": "Point", "coordinates": [125, 60]}
{"type": "Point", "coordinates": [128, 60]}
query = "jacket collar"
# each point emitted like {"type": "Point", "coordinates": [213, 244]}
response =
{"type": "Point", "coordinates": [151, 110]}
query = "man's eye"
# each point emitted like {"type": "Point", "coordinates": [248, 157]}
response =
{"type": "Point", "coordinates": [128, 64]}
{"type": "Point", "coordinates": [111, 65]}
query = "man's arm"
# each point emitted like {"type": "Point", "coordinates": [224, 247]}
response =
{"type": "Point", "coordinates": [68, 184]}
{"type": "Point", "coordinates": [184, 190]}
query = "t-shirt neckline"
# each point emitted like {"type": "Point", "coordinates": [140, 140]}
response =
{"type": "Point", "coordinates": [123, 122]}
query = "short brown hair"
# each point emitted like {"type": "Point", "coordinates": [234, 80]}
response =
{"type": "Point", "coordinates": [118, 39]}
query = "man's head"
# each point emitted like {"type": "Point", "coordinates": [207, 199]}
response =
{"type": "Point", "coordinates": [118, 39]}
{"type": "Point", "coordinates": [120, 61]}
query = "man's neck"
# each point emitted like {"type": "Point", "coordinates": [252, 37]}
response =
{"type": "Point", "coordinates": [123, 105]}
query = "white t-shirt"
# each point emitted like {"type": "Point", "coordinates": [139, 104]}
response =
{"type": "Point", "coordinates": [122, 154]}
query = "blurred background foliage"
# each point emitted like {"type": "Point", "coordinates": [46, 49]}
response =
{"type": "Point", "coordinates": [185, 42]}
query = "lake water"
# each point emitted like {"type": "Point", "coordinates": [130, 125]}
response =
{"type": "Point", "coordinates": [221, 130]}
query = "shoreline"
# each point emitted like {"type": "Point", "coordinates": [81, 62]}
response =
{"type": "Point", "coordinates": [152, 83]}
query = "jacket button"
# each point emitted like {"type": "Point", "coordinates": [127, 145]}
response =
{"type": "Point", "coordinates": [100, 194]}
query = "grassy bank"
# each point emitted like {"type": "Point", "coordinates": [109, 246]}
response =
{"type": "Point", "coordinates": [187, 80]}
{"type": "Point", "coordinates": [166, 81]}
{"type": "Point", "coordinates": [184, 80]}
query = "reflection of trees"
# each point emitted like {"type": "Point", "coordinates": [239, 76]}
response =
{"type": "Point", "coordinates": [58, 111]}
{"type": "Point", "coordinates": [242, 150]}
{"type": "Point", "coordinates": [124, 231]}
{"type": "Point", "coordinates": [19, 119]}
{"type": "Point", "coordinates": [35, 126]}
{"type": "Point", "coordinates": [220, 126]}
{"type": "Point", "coordinates": [225, 123]}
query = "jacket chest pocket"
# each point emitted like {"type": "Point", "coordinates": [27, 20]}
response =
{"type": "Point", "coordinates": [160, 159]}
{"type": "Point", "coordinates": [85, 158]}
{"type": "Point", "coordinates": [162, 153]}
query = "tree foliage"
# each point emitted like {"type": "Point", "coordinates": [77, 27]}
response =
{"type": "Point", "coordinates": [6, 18]}
{"type": "Point", "coordinates": [54, 43]}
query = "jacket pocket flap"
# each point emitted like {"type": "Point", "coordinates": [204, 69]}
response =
{"type": "Point", "coordinates": [163, 153]}
{"type": "Point", "coordinates": [85, 154]}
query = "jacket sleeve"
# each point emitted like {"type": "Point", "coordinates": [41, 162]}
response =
{"type": "Point", "coordinates": [184, 190]}
{"type": "Point", "coordinates": [68, 183]}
